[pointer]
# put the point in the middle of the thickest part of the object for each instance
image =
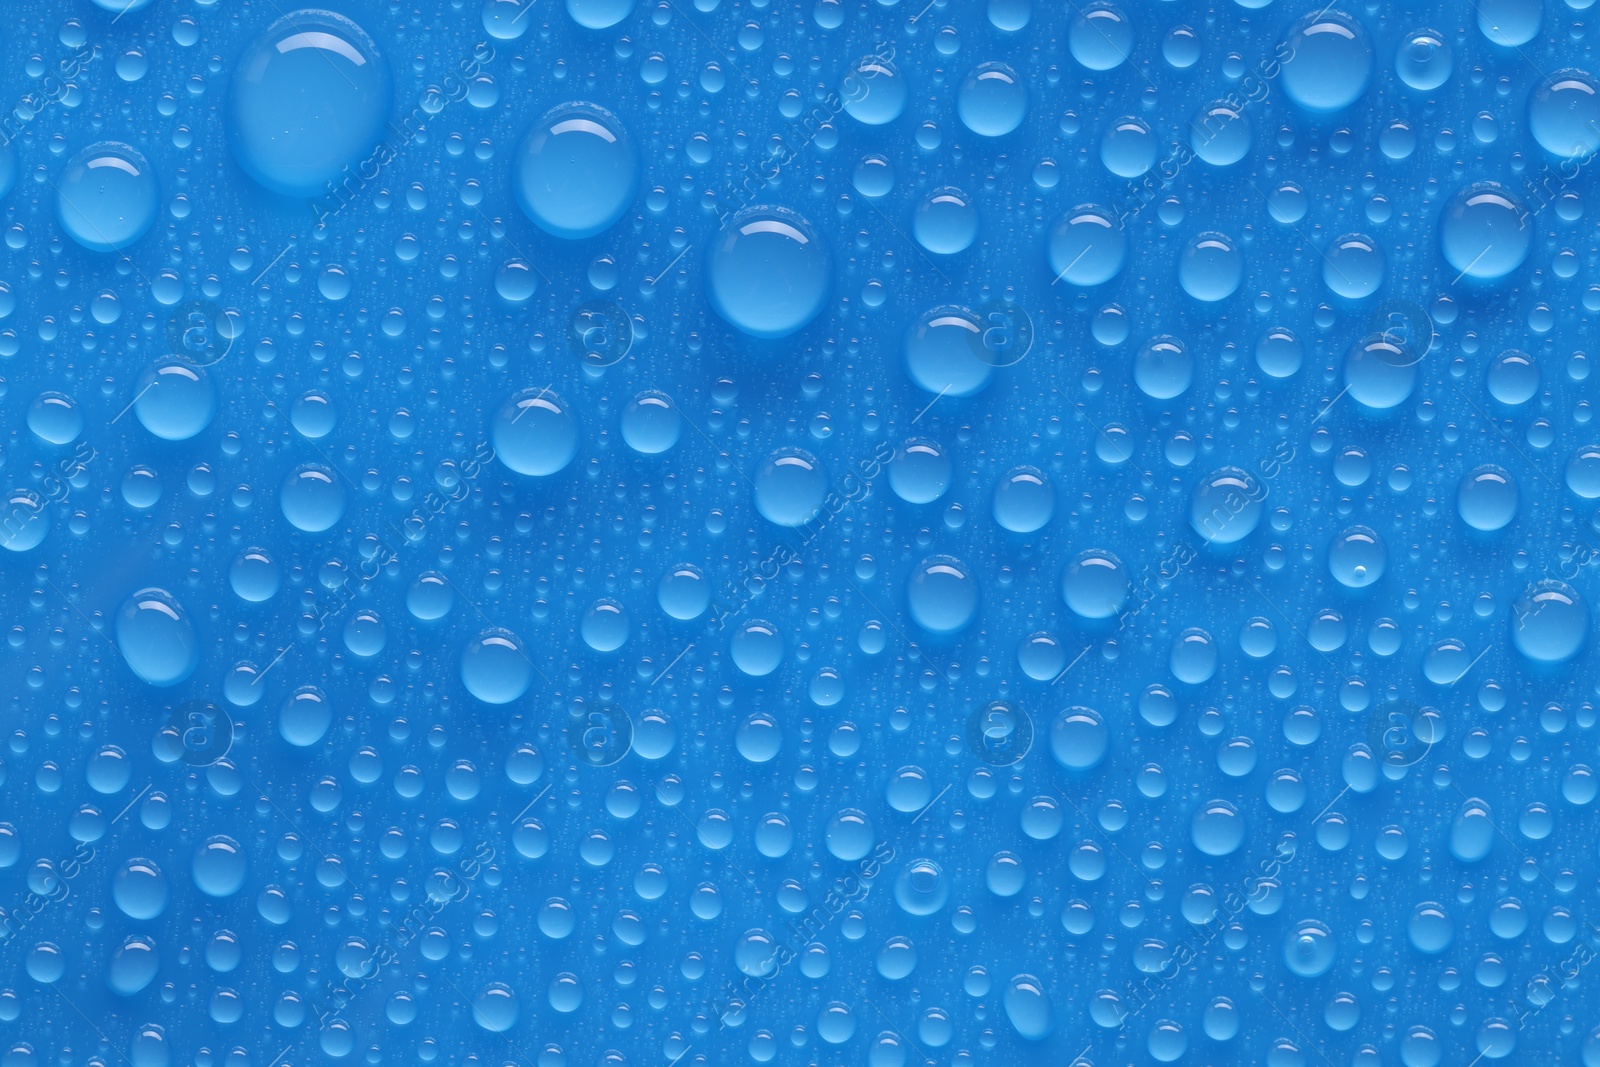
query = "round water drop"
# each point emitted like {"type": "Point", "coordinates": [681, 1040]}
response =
{"type": "Point", "coordinates": [1287, 203]}
{"type": "Point", "coordinates": [1484, 231]}
{"type": "Point", "coordinates": [430, 597]}
{"type": "Point", "coordinates": [1353, 266]}
{"type": "Point", "coordinates": [1258, 638]}
{"type": "Point", "coordinates": [157, 638]}
{"type": "Point", "coordinates": [874, 176]}
{"type": "Point", "coordinates": [313, 415]}
{"type": "Point", "coordinates": [605, 625]}
{"type": "Point", "coordinates": [1028, 1008]}
{"type": "Point", "coordinates": [1041, 657]}
{"type": "Point", "coordinates": [516, 281]}
{"type": "Point", "coordinates": [1226, 506]}
{"type": "Point", "coordinates": [1513, 377]}
{"type": "Point", "coordinates": [133, 966]}
{"type": "Point", "coordinates": [1564, 114]}
{"type": "Point", "coordinates": [1357, 557]}
{"type": "Point", "coordinates": [651, 423]}
{"type": "Point", "coordinates": [253, 576]}
{"type": "Point", "coordinates": [1472, 833]}
{"type": "Point", "coordinates": [1509, 23]}
{"type": "Point", "coordinates": [305, 716]}
{"type": "Point", "coordinates": [1430, 928]}
{"type": "Point", "coordinates": [598, 14]}
{"type": "Point", "coordinates": [1549, 623]}
{"type": "Point", "coordinates": [1486, 499]}
{"type": "Point", "coordinates": [1129, 147]}
{"type": "Point", "coordinates": [1024, 500]}
{"type": "Point", "coordinates": [1101, 36]}
{"type": "Point", "coordinates": [504, 19]}
{"type": "Point", "coordinates": [758, 738]}
{"type": "Point", "coordinates": [1221, 1020]}
{"type": "Point", "coordinates": [141, 487]}
{"type": "Point", "coordinates": [1380, 372]}
{"type": "Point", "coordinates": [26, 520]}
{"type": "Point", "coordinates": [774, 836]}
{"type": "Point", "coordinates": [684, 592]}
{"type": "Point", "coordinates": [140, 889]}
{"type": "Point", "coordinates": [1009, 16]}
{"type": "Point", "coordinates": [941, 353]}
{"type": "Point", "coordinates": [946, 222]}
{"type": "Point", "coordinates": [992, 100]}
{"type": "Point", "coordinates": [1424, 60]}
{"type": "Point", "coordinates": [1309, 949]}
{"type": "Point", "coordinates": [535, 433]}
{"type": "Point", "coordinates": [922, 888]}
{"type": "Point", "coordinates": [494, 667]}
{"type": "Point", "coordinates": [334, 282]}
{"type": "Point", "coordinates": [1167, 1041]}
{"type": "Point", "coordinates": [790, 486]}
{"type": "Point", "coordinates": [874, 92]}
{"type": "Point", "coordinates": [920, 472]}
{"type": "Point", "coordinates": [836, 1023]}
{"type": "Point", "coordinates": [849, 835]}
{"type": "Point", "coordinates": [1211, 267]}
{"type": "Point", "coordinates": [175, 400]}
{"type": "Point", "coordinates": [365, 634]}
{"type": "Point", "coordinates": [756, 648]}
{"type": "Point", "coordinates": [45, 963]}
{"type": "Point", "coordinates": [219, 867]}
{"type": "Point", "coordinates": [1583, 472]}
{"type": "Point", "coordinates": [909, 789]}
{"type": "Point", "coordinates": [55, 418]}
{"type": "Point", "coordinates": [1095, 585]}
{"type": "Point", "coordinates": [1193, 656]}
{"type": "Point", "coordinates": [577, 171]}
{"type": "Point", "coordinates": [1079, 738]}
{"type": "Point", "coordinates": [309, 97]}
{"type": "Point", "coordinates": [1163, 368]}
{"type": "Point", "coordinates": [1446, 663]}
{"type": "Point", "coordinates": [756, 953]}
{"type": "Point", "coordinates": [1221, 134]}
{"type": "Point", "coordinates": [897, 958]}
{"type": "Point", "coordinates": [1217, 828]}
{"type": "Point", "coordinates": [1088, 247]}
{"type": "Point", "coordinates": [942, 595]}
{"type": "Point", "coordinates": [1279, 353]}
{"type": "Point", "coordinates": [107, 197]}
{"type": "Point", "coordinates": [767, 273]}
{"type": "Point", "coordinates": [312, 498]}
{"type": "Point", "coordinates": [1421, 1047]}
{"type": "Point", "coordinates": [495, 1009]}
{"type": "Point", "coordinates": [1330, 62]}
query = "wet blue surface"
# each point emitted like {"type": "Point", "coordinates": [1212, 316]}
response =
{"type": "Point", "coordinates": [610, 533]}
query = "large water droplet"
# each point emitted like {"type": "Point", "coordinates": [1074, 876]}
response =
{"type": "Point", "coordinates": [1330, 62]}
{"type": "Point", "coordinates": [494, 667]}
{"type": "Point", "coordinates": [157, 638]}
{"type": "Point", "coordinates": [309, 99]}
{"type": "Point", "coordinates": [535, 433]}
{"type": "Point", "coordinates": [577, 171]}
{"type": "Point", "coordinates": [107, 197]}
{"type": "Point", "coordinates": [1484, 232]}
{"type": "Point", "coordinates": [767, 273]}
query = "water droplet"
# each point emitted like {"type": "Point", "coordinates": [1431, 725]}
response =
{"type": "Point", "coordinates": [1330, 62]}
{"type": "Point", "coordinates": [107, 197]}
{"type": "Point", "coordinates": [157, 638]}
{"type": "Point", "coordinates": [577, 171]}
{"type": "Point", "coordinates": [767, 273]}
{"type": "Point", "coordinates": [535, 433]}
{"type": "Point", "coordinates": [309, 97]}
